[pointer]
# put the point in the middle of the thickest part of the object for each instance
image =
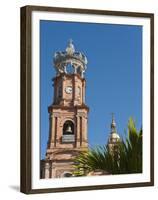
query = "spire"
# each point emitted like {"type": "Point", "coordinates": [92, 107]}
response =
{"type": "Point", "coordinates": [113, 124]}
{"type": "Point", "coordinates": [114, 137]}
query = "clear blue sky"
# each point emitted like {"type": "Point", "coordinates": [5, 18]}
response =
{"type": "Point", "coordinates": [114, 74]}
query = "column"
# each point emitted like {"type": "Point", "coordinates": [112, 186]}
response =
{"type": "Point", "coordinates": [52, 131]}
{"type": "Point", "coordinates": [53, 172]}
{"type": "Point", "coordinates": [63, 88]}
{"type": "Point", "coordinates": [78, 131]}
{"type": "Point", "coordinates": [83, 91]}
{"type": "Point", "coordinates": [50, 125]}
{"type": "Point", "coordinates": [74, 90]}
{"type": "Point", "coordinates": [84, 131]}
{"type": "Point", "coordinates": [57, 128]}
{"type": "Point", "coordinates": [47, 170]}
{"type": "Point", "coordinates": [81, 130]}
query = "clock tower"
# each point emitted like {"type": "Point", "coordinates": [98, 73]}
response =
{"type": "Point", "coordinates": [68, 114]}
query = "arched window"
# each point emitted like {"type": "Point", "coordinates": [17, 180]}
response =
{"type": "Point", "coordinates": [68, 128]}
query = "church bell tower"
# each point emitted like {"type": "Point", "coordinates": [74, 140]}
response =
{"type": "Point", "coordinates": [68, 114]}
{"type": "Point", "coordinates": [114, 138]}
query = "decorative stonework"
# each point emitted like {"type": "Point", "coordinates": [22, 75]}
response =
{"type": "Point", "coordinates": [77, 60]}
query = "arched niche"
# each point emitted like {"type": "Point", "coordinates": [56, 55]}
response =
{"type": "Point", "coordinates": [68, 135]}
{"type": "Point", "coordinates": [68, 128]}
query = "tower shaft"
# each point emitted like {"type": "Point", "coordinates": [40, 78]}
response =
{"type": "Point", "coordinates": [68, 116]}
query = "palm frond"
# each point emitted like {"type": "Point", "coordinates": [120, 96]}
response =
{"type": "Point", "coordinates": [128, 158]}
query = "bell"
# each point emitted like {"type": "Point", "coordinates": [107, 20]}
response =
{"type": "Point", "coordinates": [68, 129]}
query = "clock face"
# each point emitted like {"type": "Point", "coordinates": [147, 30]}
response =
{"type": "Point", "coordinates": [68, 90]}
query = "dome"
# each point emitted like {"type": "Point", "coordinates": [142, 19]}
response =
{"type": "Point", "coordinates": [115, 136]}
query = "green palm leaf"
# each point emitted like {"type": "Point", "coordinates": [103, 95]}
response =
{"type": "Point", "coordinates": [128, 158]}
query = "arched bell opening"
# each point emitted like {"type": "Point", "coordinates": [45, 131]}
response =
{"type": "Point", "coordinates": [68, 132]}
{"type": "Point", "coordinates": [68, 128]}
{"type": "Point", "coordinates": [66, 174]}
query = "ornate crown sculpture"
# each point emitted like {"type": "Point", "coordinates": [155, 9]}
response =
{"type": "Point", "coordinates": [76, 59]}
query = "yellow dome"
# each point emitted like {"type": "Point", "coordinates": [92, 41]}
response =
{"type": "Point", "coordinates": [115, 136]}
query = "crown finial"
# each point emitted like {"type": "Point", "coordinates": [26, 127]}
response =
{"type": "Point", "coordinates": [70, 48]}
{"type": "Point", "coordinates": [70, 58]}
